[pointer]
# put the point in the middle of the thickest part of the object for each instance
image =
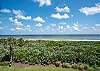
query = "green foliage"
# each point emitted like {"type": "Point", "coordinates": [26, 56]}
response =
{"type": "Point", "coordinates": [57, 64]}
{"type": "Point", "coordinates": [4, 63]}
{"type": "Point", "coordinates": [49, 52]}
{"type": "Point", "coordinates": [66, 65]}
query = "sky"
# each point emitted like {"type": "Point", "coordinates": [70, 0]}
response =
{"type": "Point", "coordinates": [31, 17]}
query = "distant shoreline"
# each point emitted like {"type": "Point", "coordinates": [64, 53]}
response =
{"type": "Point", "coordinates": [69, 37]}
{"type": "Point", "coordinates": [58, 40]}
{"type": "Point", "coordinates": [55, 35]}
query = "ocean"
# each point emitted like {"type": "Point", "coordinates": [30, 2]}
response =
{"type": "Point", "coordinates": [83, 37]}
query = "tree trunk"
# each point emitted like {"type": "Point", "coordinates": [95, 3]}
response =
{"type": "Point", "coordinates": [11, 57]}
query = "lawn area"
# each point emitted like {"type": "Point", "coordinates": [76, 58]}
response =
{"type": "Point", "coordinates": [36, 69]}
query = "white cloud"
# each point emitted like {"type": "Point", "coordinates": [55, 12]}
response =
{"type": "Point", "coordinates": [17, 12]}
{"type": "Point", "coordinates": [28, 28]}
{"type": "Point", "coordinates": [61, 27]}
{"type": "Point", "coordinates": [38, 24]}
{"type": "Point", "coordinates": [94, 28]}
{"type": "Point", "coordinates": [39, 20]}
{"type": "Point", "coordinates": [43, 2]}
{"type": "Point", "coordinates": [62, 13]}
{"type": "Point", "coordinates": [97, 25]}
{"type": "Point", "coordinates": [65, 9]}
{"type": "Point", "coordinates": [68, 27]}
{"type": "Point", "coordinates": [11, 19]}
{"type": "Point", "coordinates": [58, 27]}
{"type": "Point", "coordinates": [19, 26]}
{"type": "Point", "coordinates": [0, 22]}
{"type": "Point", "coordinates": [1, 28]}
{"type": "Point", "coordinates": [15, 21]}
{"type": "Point", "coordinates": [19, 16]}
{"type": "Point", "coordinates": [24, 28]}
{"type": "Point", "coordinates": [76, 26]}
{"type": "Point", "coordinates": [90, 10]}
{"type": "Point", "coordinates": [12, 29]}
{"type": "Point", "coordinates": [5, 10]}
{"type": "Point", "coordinates": [59, 16]}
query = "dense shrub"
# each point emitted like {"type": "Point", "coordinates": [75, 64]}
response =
{"type": "Point", "coordinates": [66, 65]}
{"type": "Point", "coordinates": [49, 52]}
{"type": "Point", "coordinates": [4, 63]}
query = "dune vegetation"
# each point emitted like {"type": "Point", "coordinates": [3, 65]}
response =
{"type": "Point", "coordinates": [82, 55]}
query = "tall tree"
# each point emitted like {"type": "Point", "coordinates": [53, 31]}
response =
{"type": "Point", "coordinates": [11, 43]}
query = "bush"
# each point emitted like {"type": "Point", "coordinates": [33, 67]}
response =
{"type": "Point", "coordinates": [84, 66]}
{"type": "Point", "coordinates": [58, 64]}
{"type": "Point", "coordinates": [66, 65]}
{"type": "Point", "coordinates": [4, 63]}
{"type": "Point", "coordinates": [81, 67]}
{"type": "Point", "coordinates": [49, 52]}
{"type": "Point", "coordinates": [98, 68]}
{"type": "Point", "coordinates": [75, 66]}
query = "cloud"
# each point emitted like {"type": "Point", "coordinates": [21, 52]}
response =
{"type": "Point", "coordinates": [5, 10]}
{"type": "Point", "coordinates": [38, 25]}
{"type": "Point", "coordinates": [1, 28]}
{"type": "Point", "coordinates": [28, 28]}
{"type": "Point", "coordinates": [15, 21]}
{"type": "Point", "coordinates": [19, 15]}
{"type": "Point", "coordinates": [65, 9]}
{"type": "Point", "coordinates": [18, 25]}
{"type": "Point", "coordinates": [12, 29]}
{"type": "Point", "coordinates": [97, 25]}
{"type": "Point", "coordinates": [11, 19]}
{"type": "Point", "coordinates": [24, 28]}
{"type": "Point", "coordinates": [55, 28]}
{"type": "Point", "coordinates": [90, 10]}
{"type": "Point", "coordinates": [39, 20]}
{"type": "Point", "coordinates": [62, 13]}
{"type": "Point", "coordinates": [68, 27]}
{"type": "Point", "coordinates": [61, 28]}
{"type": "Point", "coordinates": [76, 26]}
{"type": "Point", "coordinates": [43, 2]}
{"type": "Point", "coordinates": [17, 12]}
{"type": "Point", "coordinates": [19, 28]}
{"type": "Point", "coordinates": [59, 16]}
{"type": "Point", "coordinates": [0, 22]}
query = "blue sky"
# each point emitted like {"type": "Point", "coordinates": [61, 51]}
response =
{"type": "Point", "coordinates": [26, 17]}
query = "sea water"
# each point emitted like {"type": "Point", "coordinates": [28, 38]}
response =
{"type": "Point", "coordinates": [56, 37]}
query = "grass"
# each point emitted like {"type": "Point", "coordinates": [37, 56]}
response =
{"type": "Point", "coordinates": [36, 69]}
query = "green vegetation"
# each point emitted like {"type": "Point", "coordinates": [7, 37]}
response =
{"type": "Point", "coordinates": [77, 54]}
{"type": "Point", "coordinates": [37, 69]}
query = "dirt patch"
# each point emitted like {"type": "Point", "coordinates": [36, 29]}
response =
{"type": "Point", "coordinates": [20, 65]}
